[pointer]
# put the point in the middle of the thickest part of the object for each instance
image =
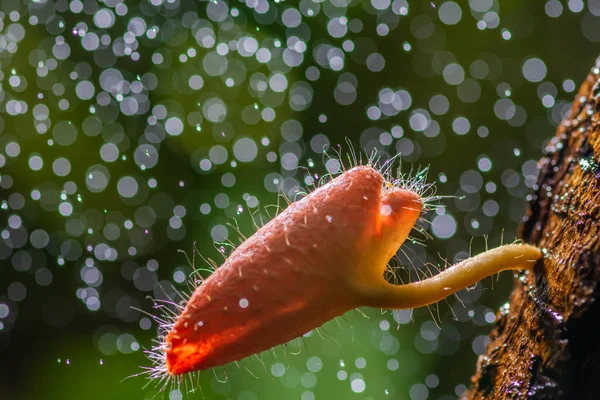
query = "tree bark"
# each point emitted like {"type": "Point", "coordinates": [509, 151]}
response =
{"type": "Point", "coordinates": [546, 340]}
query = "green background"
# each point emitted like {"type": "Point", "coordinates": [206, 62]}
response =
{"type": "Point", "coordinates": [54, 345]}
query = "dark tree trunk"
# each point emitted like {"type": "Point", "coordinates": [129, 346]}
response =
{"type": "Point", "coordinates": [546, 341]}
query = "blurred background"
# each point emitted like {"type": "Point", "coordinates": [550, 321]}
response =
{"type": "Point", "coordinates": [130, 131]}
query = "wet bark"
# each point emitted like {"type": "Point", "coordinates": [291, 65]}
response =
{"type": "Point", "coordinates": [546, 340]}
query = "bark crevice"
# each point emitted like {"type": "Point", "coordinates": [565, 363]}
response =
{"type": "Point", "coordinates": [546, 341]}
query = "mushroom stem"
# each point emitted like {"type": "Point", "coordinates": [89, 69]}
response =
{"type": "Point", "coordinates": [464, 274]}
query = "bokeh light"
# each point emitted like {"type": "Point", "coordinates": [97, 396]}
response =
{"type": "Point", "coordinates": [132, 133]}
